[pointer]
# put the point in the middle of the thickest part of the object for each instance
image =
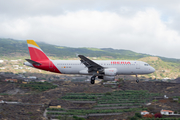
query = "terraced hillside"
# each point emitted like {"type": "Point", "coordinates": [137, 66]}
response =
{"type": "Point", "coordinates": [101, 99]}
{"type": "Point", "coordinates": [104, 104]}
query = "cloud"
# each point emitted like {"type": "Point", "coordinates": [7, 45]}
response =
{"type": "Point", "coordinates": [86, 24]}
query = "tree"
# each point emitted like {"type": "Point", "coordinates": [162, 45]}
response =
{"type": "Point", "coordinates": [134, 118]}
{"type": "Point", "coordinates": [158, 115]}
{"type": "Point", "coordinates": [59, 117]}
{"type": "Point", "coordinates": [138, 115]}
{"type": "Point", "coordinates": [148, 116]}
{"type": "Point", "coordinates": [120, 80]}
{"type": "Point", "coordinates": [108, 93]}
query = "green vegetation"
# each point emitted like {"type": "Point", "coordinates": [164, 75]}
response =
{"type": "Point", "coordinates": [126, 98]}
{"type": "Point", "coordinates": [4, 94]}
{"type": "Point", "coordinates": [92, 111]}
{"type": "Point", "coordinates": [17, 49]}
{"type": "Point", "coordinates": [78, 118]}
{"type": "Point", "coordinates": [111, 105]}
{"type": "Point", "coordinates": [131, 97]}
{"type": "Point", "coordinates": [137, 116]}
{"type": "Point", "coordinates": [39, 86]}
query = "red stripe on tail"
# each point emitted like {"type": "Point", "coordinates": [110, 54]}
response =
{"type": "Point", "coordinates": [40, 57]}
{"type": "Point", "coordinates": [37, 55]}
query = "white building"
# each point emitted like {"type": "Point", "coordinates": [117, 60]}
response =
{"type": "Point", "coordinates": [165, 79]}
{"type": "Point", "coordinates": [1, 61]}
{"type": "Point", "coordinates": [166, 97]}
{"type": "Point", "coordinates": [1, 101]}
{"type": "Point", "coordinates": [16, 66]}
{"type": "Point", "coordinates": [144, 112]}
{"type": "Point", "coordinates": [148, 104]}
{"type": "Point", "coordinates": [2, 68]}
{"type": "Point", "coordinates": [42, 80]}
{"type": "Point", "coordinates": [13, 60]}
{"type": "Point", "coordinates": [167, 112]}
{"type": "Point", "coordinates": [32, 77]}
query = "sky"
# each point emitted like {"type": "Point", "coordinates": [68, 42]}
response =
{"type": "Point", "coordinates": [143, 26]}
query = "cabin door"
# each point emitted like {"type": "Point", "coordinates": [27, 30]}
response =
{"type": "Point", "coordinates": [137, 65]}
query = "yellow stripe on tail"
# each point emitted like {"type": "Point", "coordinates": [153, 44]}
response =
{"type": "Point", "coordinates": [32, 42]}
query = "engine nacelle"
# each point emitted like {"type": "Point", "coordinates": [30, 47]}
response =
{"type": "Point", "coordinates": [108, 78]}
{"type": "Point", "coordinates": [110, 71]}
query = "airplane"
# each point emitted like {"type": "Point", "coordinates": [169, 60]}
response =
{"type": "Point", "coordinates": [103, 69]}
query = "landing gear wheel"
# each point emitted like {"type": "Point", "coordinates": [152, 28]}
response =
{"type": "Point", "coordinates": [137, 80]}
{"type": "Point", "coordinates": [92, 78]}
{"type": "Point", "coordinates": [92, 81]}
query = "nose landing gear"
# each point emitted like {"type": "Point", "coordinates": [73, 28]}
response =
{"type": "Point", "coordinates": [137, 80]}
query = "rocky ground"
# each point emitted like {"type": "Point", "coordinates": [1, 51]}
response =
{"type": "Point", "coordinates": [12, 92]}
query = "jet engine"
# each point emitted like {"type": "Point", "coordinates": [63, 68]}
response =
{"type": "Point", "coordinates": [110, 71]}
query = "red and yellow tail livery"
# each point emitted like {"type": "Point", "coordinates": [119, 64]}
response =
{"type": "Point", "coordinates": [35, 51]}
{"type": "Point", "coordinates": [39, 59]}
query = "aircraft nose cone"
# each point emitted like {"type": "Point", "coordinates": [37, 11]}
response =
{"type": "Point", "coordinates": [152, 69]}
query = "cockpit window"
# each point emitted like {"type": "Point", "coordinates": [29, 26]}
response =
{"type": "Point", "coordinates": [146, 64]}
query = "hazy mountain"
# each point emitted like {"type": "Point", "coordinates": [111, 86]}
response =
{"type": "Point", "coordinates": [14, 48]}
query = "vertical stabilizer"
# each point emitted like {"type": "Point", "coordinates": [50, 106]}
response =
{"type": "Point", "coordinates": [35, 51]}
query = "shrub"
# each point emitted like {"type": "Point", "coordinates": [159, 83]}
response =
{"type": "Point", "coordinates": [148, 116]}
{"type": "Point", "coordinates": [75, 117]}
{"type": "Point", "coordinates": [158, 115]}
{"type": "Point", "coordinates": [138, 115]}
{"type": "Point", "coordinates": [108, 93]}
{"type": "Point", "coordinates": [59, 117]}
{"type": "Point", "coordinates": [78, 118]}
{"type": "Point", "coordinates": [134, 118]}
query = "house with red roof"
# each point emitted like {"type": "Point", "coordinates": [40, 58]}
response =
{"type": "Point", "coordinates": [144, 112]}
{"type": "Point", "coordinates": [167, 112]}
{"type": "Point", "coordinates": [11, 80]}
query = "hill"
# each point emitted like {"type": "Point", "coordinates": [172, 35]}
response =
{"type": "Point", "coordinates": [17, 48]}
{"type": "Point", "coordinates": [84, 91]}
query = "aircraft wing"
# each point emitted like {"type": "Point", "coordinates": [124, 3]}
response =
{"type": "Point", "coordinates": [91, 65]}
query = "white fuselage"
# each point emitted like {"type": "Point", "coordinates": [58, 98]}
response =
{"type": "Point", "coordinates": [124, 67]}
{"type": "Point", "coordinates": [104, 69]}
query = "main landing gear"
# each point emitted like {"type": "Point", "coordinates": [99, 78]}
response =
{"type": "Point", "coordinates": [137, 80]}
{"type": "Point", "coordinates": [93, 79]}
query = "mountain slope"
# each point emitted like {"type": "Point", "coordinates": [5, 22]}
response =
{"type": "Point", "coordinates": [14, 48]}
{"type": "Point", "coordinates": [17, 49]}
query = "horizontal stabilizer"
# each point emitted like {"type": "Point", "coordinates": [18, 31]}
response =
{"type": "Point", "coordinates": [33, 62]}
